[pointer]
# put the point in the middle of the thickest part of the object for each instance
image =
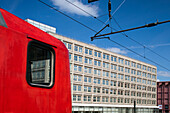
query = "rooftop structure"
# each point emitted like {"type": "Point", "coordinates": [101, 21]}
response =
{"type": "Point", "coordinates": [41, 26]}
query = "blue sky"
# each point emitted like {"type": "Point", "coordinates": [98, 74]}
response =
{"type": "Point", "coordinates": [131, 13]}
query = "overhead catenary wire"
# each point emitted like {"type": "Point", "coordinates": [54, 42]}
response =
{"type": "Point", "coordinates": [108, 38]}
{"type": "Point", "coordinates": [138, 54]}
{"type": "Point", "coordinates": [130, 29]}
{"type": "Point", "coordinates": [90, 14]}
{"type": "Point", "coordinates": [119, 27]}
{"type": "Point", "coordinates": [86, 12]}
{"type": "Point", "coordinates": [145, 47]}
{"type": "Point", "coordinates": [116, 10]}
{"type": "Point", "coordinates": [67, 16]}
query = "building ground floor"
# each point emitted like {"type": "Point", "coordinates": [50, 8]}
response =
{"type": "Point", "coordinates": [164, 111]}
{"type": "Point", "coordinates": [99, 108]}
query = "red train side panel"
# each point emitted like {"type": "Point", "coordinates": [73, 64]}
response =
{"type": "Point", "coordinates": [16, 94]}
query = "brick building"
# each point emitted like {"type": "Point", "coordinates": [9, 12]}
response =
{"type": "Point", "coordinates": [163, 96]}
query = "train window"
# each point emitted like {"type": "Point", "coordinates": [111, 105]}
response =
{"type": "Point", "coordinates": [40, 65]}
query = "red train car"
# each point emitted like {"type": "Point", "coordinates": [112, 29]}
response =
{"type": "Point", "coordinates": [34, 69]}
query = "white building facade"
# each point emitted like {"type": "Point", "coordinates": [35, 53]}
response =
{"type": "Point", "coordinates": [106, 82]}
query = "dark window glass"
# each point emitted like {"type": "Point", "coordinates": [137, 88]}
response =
{"type": "Point", "coordinates": [166, 106]}
{"type": "Point", "coordinates": [40, 65]}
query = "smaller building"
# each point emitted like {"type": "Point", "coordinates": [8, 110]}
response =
{"type": "Point", "coordinates": [163, 96]}
{"type": "Point", "coordinates": [41, 26]}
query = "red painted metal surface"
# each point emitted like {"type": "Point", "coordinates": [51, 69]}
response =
{"type": "Point", "coordinates": [16, 95]}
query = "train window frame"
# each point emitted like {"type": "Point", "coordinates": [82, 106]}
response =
{"type": "Point", "coordinates": [46, 47]}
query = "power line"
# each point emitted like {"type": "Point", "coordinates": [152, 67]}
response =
{"type": "Point", "coordinates": [139, 54]}
{"type": "Point", "coordinates": [116, 9]}
{"type": "Point", "coordinates": [67, 15]}
{"type": "Point", "coordinates": [86, 12]}
{"type": "Point", "coordinates": [130, 29]}
{"type": "Point", "coordinates": [139, 42]}
{"type": "Point", "coordinates": [118, 26]}
{"type": "Point", "coordinates": [108, 38]}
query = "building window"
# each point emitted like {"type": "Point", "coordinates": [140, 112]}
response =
{"type": "Point", "coordinates": [77, 68]}
{"type": "Point", "coordinates": [113, 58]}
{"type": "Point", "coordinates": [144, 81]}
{"type": "Point", "coordinates": [74, 88]}
{"type": "Point", "coordinates": [127, 77]}
{"type": "Point", "coordinates": [105, 56]}
{"type": "Point", "coordinates": [127, 62]}
{"type": "Point", "coordinates": [105, 82]}
{"type": "Point", "coordinates": [139, 80]}
{"type": "Point", "coordinates": [88, 51]}
{"type": "Point", "coordinates": [133, 86]}
{"type": "Point", "coordinates": [74, 97]}
{"type": "Point", "coordinates": [68, 45]}
{"type": "Point", "coordinates": [87, 70]}
{"type": "Point", "coordinates": [120, 84]}
{"type": "Point", "coordinates": [143, 87]}
{"type": "Point", "coordinates": [105, 74]}
{"type": "Point", "coordinates": [133, 72]}
{"type": "Point", "coordinates": [139, 73]}
{"type": "Point", "coordinates": [143, 94]}
{"type": "Point", "coordinates": [166, 106]}
{"type": "Point", "coordinates": [153, 76]}
{"type": "Point", "coordinates": [153, 70]}
{"type": "Point", "coordinates": [138, 87]}
{"type": "Point", "coordinates": [154, 83]}
{"type": "Point", "coordinates": [79, 98]}
{"type": "Point", "coordinates": [70, 56]}
{"type": "Point", "coordinates": [121, 61]}
{"type": "Point", "coordinates": [153, 89]}
{"type": "Point", "coordinates": [149, 88]}
{"type": "Point", "coordinates": [79, 88]}
{"type": "Point", "coordinates": [87, 79]}
{"type": "Point", "coordinates": [139, 66]}
{"type": "Point", "coordinates": [133, 93]}
{"type": "Point", "coordinates": [149, 75]}
{"type": "Point", "coordinates": [113, 75]}
{"type": "Point", "coordinates": [120, 76]}
{"type": "Point", "coordinates": [133, 64]}
{"type": "Point", "coordinates": [113, 67]}
{"type": "Point", "coordinates": [77, 58]}
{"type": "Point", "coordinates": [127, 70]}
{"type": "Point", "coordinates": [88, 61]}
{"type": "Point", "coordinates": [120, 68]}
{"type": "Point", "coordinates": [120, 92]}
{"type": "Point", "coordinates": [127, 85]}
{"type": "Point", "coordinates": [144, 74]}
{"type": "Point", "coordinates": [127, 93]}
{"type": "Point", "coordinates": [77, 78]}
{"type": "Point", "coordinates": [133, 79]}
{"type": "Point", "coordinates": [105, 65]}
{"type": "Point", "coordinates": [97, 54]}
{"type": "Point", "coordinates": [97, 72]}
{"type": "Point", "coordinates": [149, 82]}
{"type": "Point", "coordinates": [153, 96]}
{"type": "Point", "coordinates": [144, 67]}
{"type": "Point", "coordinates": [97, 63]}
{"type": "Point", "coordinates": [78, 48]}
{"type": "Point", "coordinates": [149, 69]}
{"type": "Point", "coordinates": [40, 64]}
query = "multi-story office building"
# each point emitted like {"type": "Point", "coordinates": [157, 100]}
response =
{"type": "Point", "coordinates": [163, 98]}
{"type": "Point", "coordinates": [106, 82]}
